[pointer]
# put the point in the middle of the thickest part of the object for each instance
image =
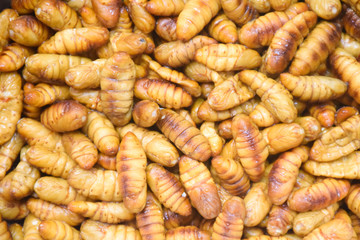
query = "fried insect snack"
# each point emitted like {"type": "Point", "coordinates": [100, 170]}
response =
{"type": "Point", "coordinates": [230, 93]}
{"type": "Point", "coordinates": [282, 137]}
{"type": "Point", "coordinates": [216, 142]}
{"type": "Point", "coordinates": [276, 98]}
{"type": "Point", "coordinates": [351, 22]}
{"type": "Point", "coordinates": [131, 43]}
{"type": "Point", "coordinates": [324, 113]}
{"type": "Point", "coordinates": [321, 41]}
{"type": "Point", "coordinates": [88, 17]}
{"type": "Point", "coordinates": [19, 183]}
{"type": "Point", "coordinates": [141, 18]}
{"type": "Point", "coordinates": [325, 9]}
{"type": "Point", "coordinates": [43, 94]}
{"type": "Point", "coordinates": [56, 190]}
{"type": "Point", "coordinates": [207, 225]}
{"type": "Point", "coordinates": [150, 220]}
{"type": "Point", "coordinates": [224, 129]}
{"type": "Point", "coordinates": [54, 229]}
{"type": "Point", "coordinates": [164, 93]}
{"type": "Point", "coordinates": [223, 29]}
{"type": "Point", "coordinates": [262, 117]}
{"type": "Point", "coordinates": [49, 161]}
{"type": "Point", "coordinates": [227, 57]}
{"type": "Point", "coordinates": [201, 73]}
{"type": "Point", "coordinates": [344, 113]}
{"type": "Point", "coordinates": [93, 230]}
{"type": "Point", "coordinates": [350, 44]}
{"type": "Point", "coordinates": [185, 136]}
{"type": "Point", "coordinates": [239, 11]}
{"type": "Point", "coordinates": [318, 195]}
{"type": "Point", "coordinates": [107, 11]}
{"type": "Point", "coordinates": [311, 126]}
{"type": "Point", "coordinates": [260, 32]}
{"type": "Point", "coordinates": [146, 113]}
{"type": "Point", "coordinates": [75, 41]}
{"type": "Point", "coordinates": [37, 134]}
{"type": "Point", "coordinates": [80, 148]}
{"type": "Point", "coordinates": [174, 220]}
{"type": "Point", "coordinates": [166, 28]}
{"type": "Point", "coordinates": [249, 232]}
{"type": "Point", "coordinates": [313, 88]}
{"type": "Point", "coordinates": [102, 132]}
{"type": "Point", "coordinates": [187, 232]}
{"type": "Point", "coordinates": [56, 14]}
{"type": "Point", "coordinates": [49, 211]}
{"type": "Point", "coordinates": [285, 42]}
{"type": "Point", "coordinates": [168, 189]}
{"type": "Point", "coordinates": [51, 68]}
{"type": "Point", "coordinates": [107, 212]}
{"type": "Point", "coordinates": [9, 152]}
{"type": "Point", "coordinates": [334, 229]}
{"type": "Point", "coordinates": [31, 227]}
{"type": "Point", "coordinates": [165, 7]}
{"type": "Point", "coordinates": [6, 16]}
{"type": "Point", "coordinates": [131, 166]}
{"type": "Point", "coordinates": [352, 200]}
{"type": "Point", "coordinates": [327, 147]}
{"type": "Point", "coordinates": [257, 204]}
{"type": "Point", "coordinates": [13, 210]}
{"type": "Point", "coordinates": [342, 214]}
{"type": "Point", "coordinates": [191, 20]}
{"type": "Point", "coordinates": [24, 6]}
{"type": "Point", "coordinates": [250, 145]}
{"type": "Point", "coordinates": [283, 174]}
{"type": "Point", "coordinates": [178, 53]}
{"type": "Point", "coordinates": [230, 222]}
{"type": "Point", "coordinates": [88, 97]}
{"type": "Point", "coordinates": [206, 113]}
{"type": "Point", "coordinates": [107, 162]}
{"type": "Point", "coordinates": [280, 220]}
{"type": "Point", "coordinates": [280, 5]}
{"type": "Point", "coordinates": [16, 231]}
{"type": "Point", "coordinates": [96, 184]}
{"type": "Point", "coordinates": [13, 57]}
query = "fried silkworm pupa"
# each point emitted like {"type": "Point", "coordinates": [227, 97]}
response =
{"type": "Point", "coordinates": [141, 18]}
{"type": "Point", "coordinates": [325, 9]}
{"type": "Point", "coordinates": [54, 229]}
{"type": "Point", "coordinates": [224, 129]}
{"type": "Point", "coordinates": [187, 232]}
{"type": "Point", "coordinates": [146, 113]}
{"type": "Point", "coordinates": [344, 113]}
{"type": "Point", "coordinates": [129, 42]}
{"type": "Point", "coordinates": [88, 17]}
{"type": "Point", "coordinates": [174, 220]}
{"type": "Point", "coordinates": [185, 136]}
{"type": "Point", "coordinates": [334, 229]}
{"type": "Point", "coordinates": [281, 219]}
{"type": "Point", "coordinates": [166, 29]}
{"type": "Point", "coordinates": [262, 117]}
{"type": "Point", "coordinates": [198, 183]}
{"type": "Point", "coordinates": [13, 57]}
{"type": "Point", "coordinates": [107, 162]}
{"type": "Point", "coordinates": [165, 7]}
{"type": "Point", "coordinates": [24, 6]}
{"type": "Point", "coordinates": [201, 73]}
{"type": "Point", "coordinates": [350, 44]}
{"type": "Point", "coordinates": [223, 29]}
{"type": "Point", "coordinates": [240, 12]}
{"type": "Point", "coordinates": [31, 227]}
{"type": "Point", "coordinates": [209, 131]}
{"type": "Point", "coordinates": [88, 97]}
{"type": "Point", "coordinates": [352, 200]}
{"type": "Point", "coordinates": [6, 16]}
{"type": "Point", "coordinates": [13, 210]}
{"type": "Point", "coordinates": [168, 189]}
{"type": "Point", "coordinates": [351, 22]}
{"type": "Point", "coordinates": [311, 126]}
{"type": "Point", "coordinates": [9, 152]}
{"type": "Point", "coordinates": [324, 113]}
{"type": "Point", "coordinates": [16, 231]}
{"type": "Point", "coordinates": [43, 94]}
{"type": "Point", "coordinates": [280, 5]}
{"type": "Point", "coordinates": [107, 11]}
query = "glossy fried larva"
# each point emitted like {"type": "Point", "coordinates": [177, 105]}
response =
{"type": "Point", "coordinates": [224, 129]}
{"type": "Point", "coordinates": [75, 41]}
{"type": "Point", "coordinates": [51, 68]}
{"type": "Point", "coordinates": [328, 147]}
{"type": "Point", "coordinates": [146, 113]}
{"type": "Point", "coordinates": [131, 167]}
{"type": "Point", "coordinates": [174, 76]}
{"type": "Point", "coordinates": [325, 9]}
{"type": "Point", "coordinates": [13, 57]}
{"type": "Point", "coordinates": [195, 109]}
{"type": "Point", "coordinates": [228, 57]}
{"type": "Point", "coordinates": [19, 183]}
{"type": "Point", "coordinates": [231, 175]}
{"type": "Point", "coordinates": [107, 212]}
{"type": "Point", "coordinates": [239, 11]}
{"type": "Point", "coordinates": [117, 84]}
{"type": "Point", "coordinates": [187, 232]}
{"type": "Point", "coordinates": [342, 214]}
{"type": "Point", "coordinates": [107, 162]}
{"type": "Point", "coordinates": [280, 5]}
{"type": "Point", "coordinates": [178, 53]}
{"type": "Point", "coordinates": [150, 44]}
{"type": "Point", "coordinates": [355, 223]}
{"type": "Point", "coordinates": [206, 113]}
{"type": "Point", "coordinates": [185, 136]}
{"type": "Point", "coordinates": [324, 113]}
{"type": "Point", "coordinates": [141, 18]}
{"type": "Point", "coordinates": [216, 142]}
{"type": "Point", "coordinates": [207, 225]}
{"type": "Point", "coordinates": [6, 16]}
{"type": "Point", "coordinates": [344, 113]}
{"type": "Point", "coordinates": [56, 190]}
{"type": "Point", "coordinates": [165, 7]}
{"type": "Point", "coordinates": [229, 223]}
{"type": "Point", "coordinates": [48, 211]}
{"type": "Point", "coordinates": [351, 22]}
{"type": "Point", "coordinates": [107, 11]}
{"type": "Point", "coordinates": [251, 146]}
{"type": "Point", "coordinates": [168, 189]}
{"type": "Point", "coordinates": [9, 152]}
{"type": "Point", "coordinates": [223, 29]}
{"type": "Point", "coordinates": [131, 43]}
{"type": "Point", "coordinates": [24, 6]}
{"type": "Point", "coordinates": [42, 94]}
{"type": "Point", "coordinates": [150, 220]}
{"type": "Point", "coordinates": [285, 42]}
{"type": "Point", "coordinates": [28, 31]}
{"type": "Point", "coordinates": [49, 161]}
{"type": "Point", "coordinates": [319, 195]}
{"type": "Point", "coordinates": [31, 227]}
{"type": "Point", "coordinates": [92, 230]}
{"type": "Point", "coordinates": [166, 28]}
{"type": "Point", "coordinates": [282, 137]}
{"type": "Point", "coordinates": [305, 222]}
{"type": "Point", "coordinates": [156, 146]}
{"type": "Point", "coordinates": [334, 229]}
{"type": "Point", "coordinates": [80, 148]}
{"type": "Point", "coordinates": [282, 176]}
{"type": "Point", "coordinates": [198, 183]}
{"type": "Point", "coordinates": [56, 14]}
{"type": "Point", "coordinates": [352, 199]}
{"type": "Point", "coordinates": [37, 134]}
{"type": "Point", "coordinates": [96, 184]}
{"type": "Point", "coordinates": [313, 88]}
{"type": "Point", "coordinates": [281, 219]}
{"type": "Point", "coordinates": [257, 204]}
{"type": "Point", "coordinates": [16, 231]}
{"type": "Point", "coordinates": [124, 24]}
{"type": "Point", "coordinates": [191, 20]}
{"type": "Point", "coordinates": [345, 167]}
{"type": "Point", "coordinates": [13, 210]}
{"type": "Point", "coordinates": [275, 96]}
{"type": "Point", "coordinates": [201, 73]}
{"type": "Point", "coordinates": [311, 127]}
{"type": "Point", "coordinates": [206, 88]}
{"type": "Point", "coordinates": [88, 97]}
{"type": "Point", "coordinates": [249, 232]}
{"type": "Point", "coordinates": [350, 44]}
{"type": "Point", "coordinates": [64, 116]}
{"type": "Point", "coordinates": [262, 117]}
{"type": "Point", "coordinates": [321, 41]}
{"type": "Point", "coordinates": [230, 93]}
{"type": "Point", "coordinates": [88, 17]}
{"type": "Point", "coordinates": [54, 229]}
{"type": "Point", "coordinates": [102, 132]}
{"type": "Point", "coordinates": [260, 32]}
{"type": "Point", "coordinates": [346, 67]}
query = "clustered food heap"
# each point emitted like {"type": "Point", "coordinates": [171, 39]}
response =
{"type": "Point", "coordinates": [173, 119]}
